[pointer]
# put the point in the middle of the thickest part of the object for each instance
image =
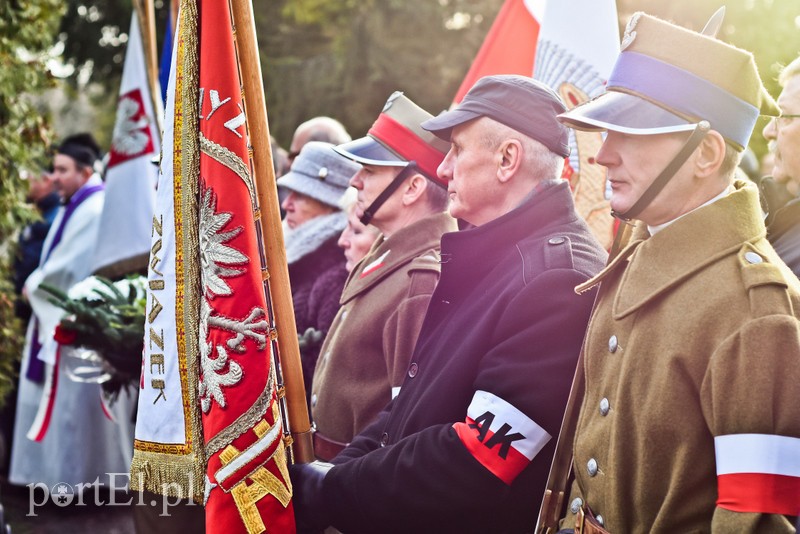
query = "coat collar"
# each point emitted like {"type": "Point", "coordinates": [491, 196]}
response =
{"type": "Point", "coordinates": [389, 254]}
{"type": "Point", "coordinates": [475, 250]}
{"type": "Point", "coordinates": [655, 264]}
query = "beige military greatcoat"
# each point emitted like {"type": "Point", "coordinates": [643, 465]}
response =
{"type": "Point", "coordinates": [365, 355]}
{"type": "Point", "coordinates": [692, 364]}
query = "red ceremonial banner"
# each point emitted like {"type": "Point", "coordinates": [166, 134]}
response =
{"type": "Point", "coordinates": [248, 485]}
{"type": "Point", "coordinates": [509, 47]}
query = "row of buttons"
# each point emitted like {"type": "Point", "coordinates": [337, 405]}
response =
{"type": "Point", "coordinates": [591, 466]}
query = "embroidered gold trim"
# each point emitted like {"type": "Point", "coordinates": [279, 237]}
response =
{"type": "Point", "coordinates": [230, 160]}
{"type": "Point", "coordinates": [244, 422]}
{"type": "Point", "coordinates": [189, 165]}
{"type": "Point", "coordinates": [179, 469]}
{"type": "Point", "coordinates": [262, 483]}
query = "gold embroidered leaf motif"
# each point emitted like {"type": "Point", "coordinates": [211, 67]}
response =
{"type": "Point", "coordinates": [214, 253]}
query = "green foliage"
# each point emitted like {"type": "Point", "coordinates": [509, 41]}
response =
{"type": "Point", "coordinates": [94, 36]}
{"type": "Point", "coordinates": [108, 321]}
{"type": "Point", "coordinates": [344, 58]}
{"type": "Point", "coordinates": [27, 28]}
{"type": "Point", "coordinates": [770, 29]}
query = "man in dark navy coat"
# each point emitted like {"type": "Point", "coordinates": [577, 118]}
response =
{"type": "Point", "coordinates": [467, 444]}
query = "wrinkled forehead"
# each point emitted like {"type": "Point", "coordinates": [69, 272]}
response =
{"type": "Point", "coordinates": [789, 99]}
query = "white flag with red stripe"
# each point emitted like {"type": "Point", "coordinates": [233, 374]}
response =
{"type": "Point", "coordinates": [758, 473]}
{"type": "Point", "coordinates": [578, 44]}
{"type": "Point", "coordinates": [123, 244]}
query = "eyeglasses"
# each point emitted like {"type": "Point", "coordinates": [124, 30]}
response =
{"type": "Point", "coordinates": [783, 119]}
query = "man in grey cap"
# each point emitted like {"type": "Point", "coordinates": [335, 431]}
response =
{"type": "Point", "coordinates": [466, 445]}
{"type": "Point", "coordinates": [316, 182]}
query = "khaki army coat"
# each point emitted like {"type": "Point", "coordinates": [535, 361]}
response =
{"type": "Point", "coordinates": [691, 417]}
{"type": "Point", "coordinates": [364, 358]}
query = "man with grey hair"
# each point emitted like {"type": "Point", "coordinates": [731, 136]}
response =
{"type": "Point", "coordinates": [783, 134]}
{"type": "Point", "coordinates": [466, 445]}
{"type": "Point", "coordinates": [325, 129]}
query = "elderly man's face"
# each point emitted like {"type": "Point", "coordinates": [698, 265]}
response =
{"type": "Point", "coordinates": [784, 134]}
{"type": "Point", "coordinates": [634, 162]}
{"type": "Point", "coordinates": [470, 169]}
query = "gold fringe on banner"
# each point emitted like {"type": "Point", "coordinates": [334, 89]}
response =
{"type": "Point", "coordinates": [178, 470]}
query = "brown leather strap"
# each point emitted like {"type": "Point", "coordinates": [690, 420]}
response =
{"type": "Point", "coordinates": [586, 523]}
{"type": "Point", "coordinates": [561, 468]}
{"type": "Point", "coordinates": [699, 132]}
{"type": "Point", "coordinates": [326, 449]}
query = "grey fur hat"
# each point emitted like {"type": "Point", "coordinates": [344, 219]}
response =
{"type": "Point", "coordinates": [320, 173]}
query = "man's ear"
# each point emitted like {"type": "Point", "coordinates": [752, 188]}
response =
{"type": "Point", "coordinates": [509, 156]}
{"type": "Point", "coordinates": [413, 188]}
{"type": "Point", "coordinates": [710, 155]}
{"type": "Point", "coordinates": [87, 172]}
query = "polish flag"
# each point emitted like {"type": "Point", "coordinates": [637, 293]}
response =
{"type": "Point", "coordinates": [123, 244]}
{"type": "Point", "coordinates": [510, 45]}
{"type": "Point", "coordinates": [578, 45]}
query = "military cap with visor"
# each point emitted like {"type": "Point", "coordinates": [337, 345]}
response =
{"type": "Point", "coordinates": [668, 78]}
{"type": "Point", "coordinates": [397, 140]}
{"type": "Point", "coordinates": [671, 79]}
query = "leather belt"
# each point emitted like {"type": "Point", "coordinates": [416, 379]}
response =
{"type": "Point", "coordinates": [586, 523]}
{"type": "Point", "coordinates": [325, 448]}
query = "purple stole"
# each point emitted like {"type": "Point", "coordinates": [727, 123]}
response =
{"type": "Point", "coordinates": [35, 371]}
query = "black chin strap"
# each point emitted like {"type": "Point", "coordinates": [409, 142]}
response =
{"type": "Point", "coordinates": [700, 131]}
{"type": "Point", "coordinates": [407, 171]}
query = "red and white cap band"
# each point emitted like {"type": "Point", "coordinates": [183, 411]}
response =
{"type": "Point", "coordinates": [407, 144]}
{"type": "Point", "coordinates": [758, 473]}
{"type": "Point", "coordinates": [502, 438]}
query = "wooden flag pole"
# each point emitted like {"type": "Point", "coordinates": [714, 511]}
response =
{"type": "Point", "coordinates": [280, 291]}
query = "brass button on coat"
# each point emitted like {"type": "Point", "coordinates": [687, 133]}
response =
{"type": "Point", "coordinates": [613, 343]}
{"type": "Point", "coordinates": [556, 240]}
{"type": "Point", "coordinates": [384, 439]}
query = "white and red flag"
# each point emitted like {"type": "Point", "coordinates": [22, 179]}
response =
{"type": "Point", "coordinates": [123, 243]}
{"type": "Point", "coordinates": [570, 45]}
{"type": "Point", "coordinates": [578, 44]}
{"type": "Point", "coordinates": [510, 45]}
{"type": "Point", "coordinates": [208, 401]}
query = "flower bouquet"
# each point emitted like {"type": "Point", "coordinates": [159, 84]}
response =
{"type": "Point", "coordinates": [107, 318]}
